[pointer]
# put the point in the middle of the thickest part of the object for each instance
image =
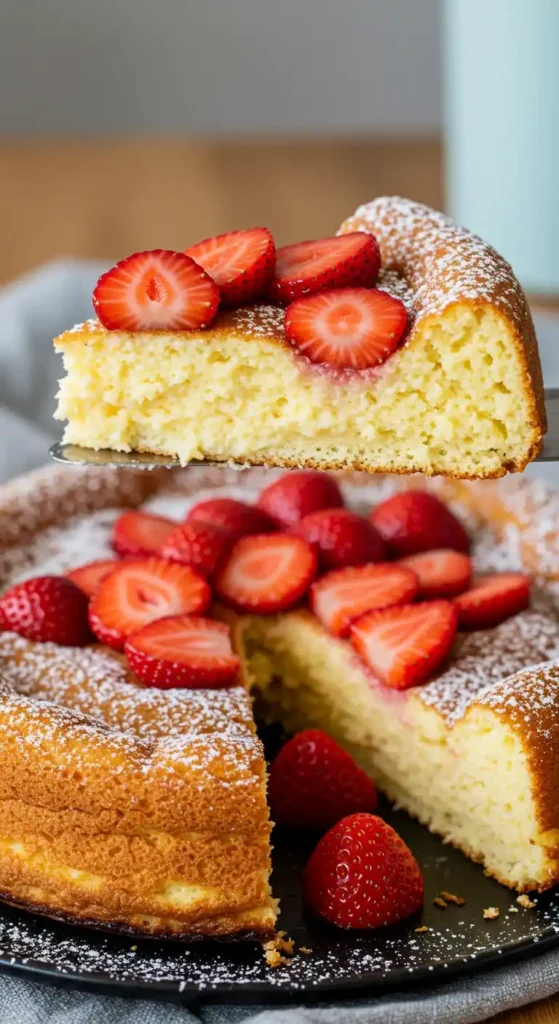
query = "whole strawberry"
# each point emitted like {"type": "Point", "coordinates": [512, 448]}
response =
{"type": "Point", "coordinates": [237, 517]}
{"type": "Point", "coordinates": [201, 545]}
{"type": "Point", "coordinates": [46, 608]}
{"type": "Point", "coordinates": [341, 538]}
{"type": "Point", "coordinates": [313, 783]}
{"type": "Point", "coordinates": [298, 493]}
{"type": "Point", "coordinates": [362, 875]}
{"type": "Point", "coordinates": [413, 521]}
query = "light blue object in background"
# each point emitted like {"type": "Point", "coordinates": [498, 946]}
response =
{"type": "Point", "coordinates": [501, 95]}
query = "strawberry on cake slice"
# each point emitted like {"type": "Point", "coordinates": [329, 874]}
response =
{"type": "Point", "coordinates": [402, 344]}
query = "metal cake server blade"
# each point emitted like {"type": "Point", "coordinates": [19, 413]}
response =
{"type": "Point", "coordinates": [73, 455]}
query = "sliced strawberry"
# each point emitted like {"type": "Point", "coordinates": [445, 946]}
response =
{"type": "Point", "coordinates": [266, 573]}
{"type": "Point", "coordinates": [138, 534]}
{"type": "Point", "coordinates": [242, 263]}
{"type": "Point", "coordinates": [89, 577]}
{"type": "Point", "coordinates": [142, 591]}
{"type": "Point", "coordinates": [201, 545]}
{"type": "Point", "coordinates": [351, 328]}
{"type": "Point", "coordinates": [492, 599]}
{"type": "Point", "coordinates": [297, 494]}
{"type": "Point", "coordinates": [159, 290]}
{"type": "Point", "coordinates": [237, 517]}
{"type": "Point", "coordinates": [183, 651]}
{"type": "Point", "coordinates": [404, 646]}
{"type": "Point", "coordinates": [344, 594]}
{"type": "Point", "coordinates": [441, 573]}
{"type": "Point", "coordinates": [46, 608]}
{"type": "Point", "coordinates": [313, 783]}
{"type": "Point", "coordinates": [362, 875]}
{"type": "Point", "coordinates": [309, 267]}
{"type": "Point", "coordinates": [414, 521]}
{"type": "Point", "coordinates": [341, 537]}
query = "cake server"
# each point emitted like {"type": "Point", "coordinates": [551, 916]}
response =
{"type": "Point", "coordinates": [72, 455]}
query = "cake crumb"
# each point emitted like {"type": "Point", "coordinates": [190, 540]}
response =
{"type": "Point", "coordinates": [422, 928]}
{"type": "Point", "coordinates": [304, 949]}
{"type": "Point", "coordinates": [525, 901]}
{"type": "Point", "coordinates": [439, 901]}
{"type": "Point", "coordinates": [276, 947]}
{"type": "Point", "coordinates": [513, 910]}
{"type": "Point", "coordinates": [451, 898]}
{"type": "Point", "coordinates": [491, 913]}
{"type": "Point", "coordinates": [275, 959]}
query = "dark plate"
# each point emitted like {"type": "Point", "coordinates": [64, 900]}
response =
{"type": "Point", "coordinates": [339, 964]}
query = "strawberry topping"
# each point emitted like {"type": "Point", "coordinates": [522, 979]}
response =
{"type": "Point", "coordinates": [414, 521]}
{"type": "Point", "coordinates": [142, 591]}
{"type": "Point", "coordinates": [309, 267]}
{"type": "Point", "coordinates": [297, 494]}
{"type": "Point", "coordinates": [492, 599]}
{"type": "Point", "coordinates": [362, 875]}
{"type": "Point", "coordinates": [266, 573]}
{"type": "Point", "coordinates": [46, 608]}
{"type": "Point", "coordinates": [183, 651]}
{"type": "Point", "coordinates": [313, 783]}
{"type": "Point", "coordinates": [138, 534]}
{"type": "Point", "coordinates": [344, 594]}
{"type": "Point", "coordinates": [201, 545]}
{"type": "Point", "coordinates": [405, 645]}
{"type": "Point", "coordinates": [341, 537]}
{"type": "Point", "coordinates": [238, 518]}
{"type": "Point", "coordinates": [89, 577]}
{"type": "Point", "coordinates": [159, 290]}
{"type": "Point", "coordinates": [242, 263]}
{"type": "Point", "coordinates": [352, 328]}
{"type": "Point", "coordinates": [441, 573]}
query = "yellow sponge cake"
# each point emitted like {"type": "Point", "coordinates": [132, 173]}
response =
{"type": "Point", "coordinates": [459, 393]}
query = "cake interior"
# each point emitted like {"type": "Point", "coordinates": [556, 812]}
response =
{"type": "Point", "coordinates": [452, 400]}
{"type": "Point", "coordinates": [471, 783]}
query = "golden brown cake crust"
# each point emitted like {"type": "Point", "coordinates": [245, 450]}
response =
{"type": "Point", "coordinates": [121, 805]}
{"type": "Point", "coordinates": [445, 265]}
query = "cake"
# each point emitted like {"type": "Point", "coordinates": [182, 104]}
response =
{"type": "Point", "coordinates": [122, 807]}
{"type": "Point", "coordinates": [450, 383]}
{"type": "Point", "coordinates": [144, 810]}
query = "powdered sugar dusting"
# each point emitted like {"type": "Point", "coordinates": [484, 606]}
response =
{"type": "Point", "coordinates": [441, 262]}
{"type": "Point", "coordinates": [484, 660]}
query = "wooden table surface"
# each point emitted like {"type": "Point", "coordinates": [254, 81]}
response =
{"type": "Point", "coordinates": [109, 198]}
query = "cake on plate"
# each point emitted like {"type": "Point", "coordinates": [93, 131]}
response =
{"type": "Point", "coordinates": [403, 344]}
{"type": "Point", "coordinates": [133, 784]}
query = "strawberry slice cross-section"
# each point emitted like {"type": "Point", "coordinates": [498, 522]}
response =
{"type": "Point", "coordinates": [266, 573]}
{"type": "Point", "coordinates": [141, 591]}
{"type": "Point", "coordinates": [241, 263]}
{"type": "Point", "coordinates": [89, 577]}
{"type": "Point", "coordinates": [306, 268]}
{"type": "Point", "coordinates": [345, 594]}
{"type": "Point", "coordinates": [405, 645]}
{"type": "Point", "coordinates": [351, 328]}
{"type": "Point", "coordinates": [492, 599]}
{"type": "Point", "coordinates": [157, 290]}
{"type": "Point", "coordinates": [183, 651]}
{"type": "Point", "coordinates": [137, 534]}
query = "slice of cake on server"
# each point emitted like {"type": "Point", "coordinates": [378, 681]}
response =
{"type": "Point", "coordinates": [403, 344]}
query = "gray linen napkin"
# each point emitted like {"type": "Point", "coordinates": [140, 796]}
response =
{"type": "Point", "coordinates": [32, 311]}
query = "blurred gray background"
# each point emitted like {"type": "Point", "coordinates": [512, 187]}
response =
{"type": "Point", "coordinates": [72, 67]}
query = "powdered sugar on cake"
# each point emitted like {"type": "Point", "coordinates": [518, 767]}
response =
{"type": "Point", "coordinates": [441, 262]}
{"type": "Point", "coordinates": [482, 660]}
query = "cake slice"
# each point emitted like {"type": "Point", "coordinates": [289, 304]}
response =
{"type": "Point", "coordinates": [459, 393]}
{"type": "Point", "coordinates": [472, 753]}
